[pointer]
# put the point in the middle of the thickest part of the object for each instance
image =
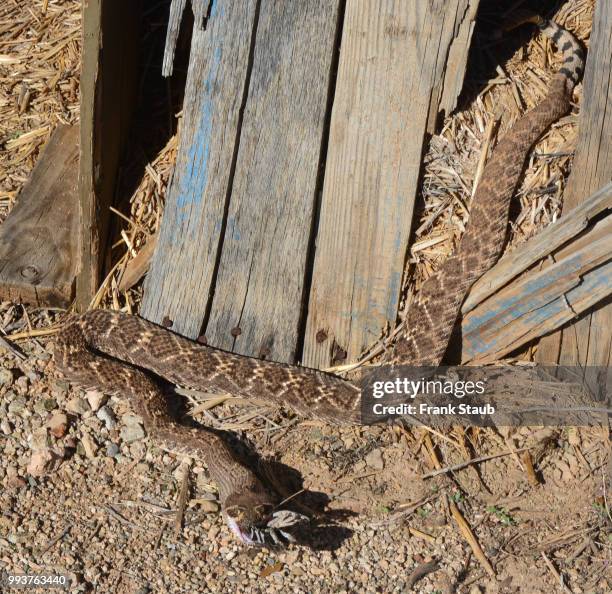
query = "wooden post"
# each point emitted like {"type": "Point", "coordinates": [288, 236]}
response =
{"type": "Point", "coordinates": [108, 81]}
{"type": "Point", "coordinates": [588, 341]}
{"type": "Point", "coordinates": [393, 78]}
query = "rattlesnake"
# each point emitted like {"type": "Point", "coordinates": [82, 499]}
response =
{"type": "Point", "coordinates": [111, 350]}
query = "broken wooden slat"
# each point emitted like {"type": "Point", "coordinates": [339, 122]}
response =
{"type": "Point", "coordinates": [257, 304]}
{"type": "Point", "coordinates": [179, 281]}
{"type": "Point", "coordinates": [108, 82]}
{"type": "Point", "coordinates": [542, 299]}
{"type": "Point", "coordinates": [551, 238]}
{"type": "Point", "coordinates": [38, 240]}
{"type": "Point", "coordinates": [588, 341]}
{"type": "Point", "coordinates": [386, 100]}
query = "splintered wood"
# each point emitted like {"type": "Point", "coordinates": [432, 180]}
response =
{"type": "Point", "coordinates": [38, 240]}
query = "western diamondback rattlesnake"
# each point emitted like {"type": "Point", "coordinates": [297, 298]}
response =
{"type": "Point", "coordinates": [110, 350]}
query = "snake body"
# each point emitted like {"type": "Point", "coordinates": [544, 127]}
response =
{"type": "Point", "coordinates": [116, 352]}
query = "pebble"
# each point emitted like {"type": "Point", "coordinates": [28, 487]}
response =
{"type": "Point", "coordinates": [105, 414]}
{"type": "Point", "coordinates": [6, 377]}
{"type": "Point", "coordinates": [17, 405]}
{"type": "Point", "coordinates": [77, 405]}
{"type": "Point", "coordinates": [112, 450]}
{"type": "Point", "coordinates": [89, 445]}
{"type": "Point", "coordinates": [208, 507]}
{"type": "Point", "coordinates": [41, 462]}
{"type": "Point", "coordinates": [131, 433]}
{"type": "Point", "coordinates": [58, 424]}
{"type": "Point", "coordinates": [96, 399]}
{"type": "Point", "coordinates": [375, 459]}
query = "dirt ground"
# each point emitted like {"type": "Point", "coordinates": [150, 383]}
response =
{"type": "Point", "coordinates": [85, 492]}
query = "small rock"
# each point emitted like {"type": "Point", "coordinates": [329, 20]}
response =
{"type": "Point", "coordinates": [50, 404]}
{"type": "Point", "coordinates": [39, 439]}
{"type": "Point", "coordinates": [131, 433]}
{"type": "Point", "coordinates": [207, 506]}
{"type": "Point", "coordinates": [96, 399]}
{"type": "Point", "coordinates": [6, 377]}
{"type": "Point", "coordinates": [17, 406]}
{"type": "Point", "coordinates": [41, 462]}
{"type": "Point", "coordinates": [58, 424]}
{"type": "Point", "coordinates": [5, 427]}
{"type": "Point", "coordinates": [112, 450]}
{"type": "Point", "coordinates": [105, 414]}
{"type": "Point", "coordinates": [16, 482]}
{"type": "Point", "coordinates": [375, 460]}
{"type": "Point", "coordinates": [21, 385]}
{"type": "Point", "coordinates": [89, 445]}
{"type": "Point", "coordinates": [34, 376]}
{"type": "Point", "coordinates": [77, 405]}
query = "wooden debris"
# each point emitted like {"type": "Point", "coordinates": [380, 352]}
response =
{"type": "Point", "coordinates": [547, 296]}
{"type": "Point", "coordinates": [520, 259]}
{"type": "Point", "coordinates": [556, 574]}
{"type": "Point", "coordinates": [532, 477]}
{"type": "Point", "coordinates": [108, 84]}
{"type": "Point", "coordinates": [136, 268]}
{"type": "Point", "coordinates": [469, 536]}
{"type": "Point", "coordinates": [39, 239]}
{"type": "Point", "coordinates": [588, 340]}
{"type": "Point", "coordinates": [372, 168]}
{"type": "Point", "coordinates": [420, 572]}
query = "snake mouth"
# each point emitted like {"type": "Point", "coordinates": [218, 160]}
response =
{"type": "Point", "coordinates": [274, 530]}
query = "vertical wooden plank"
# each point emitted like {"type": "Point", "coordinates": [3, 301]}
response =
{"type": "Point", "coordinates": [38, 239]}
{"type": "Point", "coordinates": [391, 80]}
{"type": "Point", "coordinates": [259, 289]}
{"type": "Point", "coordinates": [588, 341]}
{"type": "Point", "coordinates": [108, 82]}
{"type": "Point", "coordinates": [178, 285]}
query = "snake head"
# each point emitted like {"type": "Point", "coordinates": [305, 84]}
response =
{"type": "Point", "coordinates": [257, 524]}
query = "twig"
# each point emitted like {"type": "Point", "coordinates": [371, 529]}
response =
{"type": "Point", "coordinates": [554, 571]}
{"type": "Point", "coordinates": [420, 572]}
{"type": "Point", "coordinates": [469, 463]}
{"type": "Point", "coordinates": [55, 540]}
{"type": "Point", "coordinates": [467, 533]}
{"type": "Point", "coordinates": [12, 348]}
{"type": "Point", "coordinates": [182, 502]}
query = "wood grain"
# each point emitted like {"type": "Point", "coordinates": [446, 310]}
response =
{"type": "Point", "coordinates": [392, 78]}
{"type": "Point", "coordinates": [108, 83]}
{"type": "Point", "coordinates": [543, 299]}
{"type": "Point", "coordinates": [178, 285]}
{"type": "Point", "coordinates": [260, 284]}
{"type": "Point", "coordinates": [588, 341]}
{"type": "Point", "coordinates": [38, 240]}
{"type": "Point", "coordinates": [544, 243]}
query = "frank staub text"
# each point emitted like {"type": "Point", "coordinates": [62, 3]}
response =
{"type": "Point", "coordinates": [397, 397]}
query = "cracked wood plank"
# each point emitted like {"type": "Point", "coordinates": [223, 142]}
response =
{"type": "Point", "coordinates": [38, 240]}
{"type": "Point", "coordinates": [588, 341]}
{"type": "Point", "coordinates": [178, 284]}
{"type": "Point", "coordinates": [400, 63]}
{"type": "Point", "coordinates": [259, 291]}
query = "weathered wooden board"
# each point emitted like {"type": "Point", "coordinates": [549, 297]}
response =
{"type": "Point", "coordinates": [552, 238]}
{"type": "Point", "coordinates": [392, 77]}
{"type": "Point", "coordinates": [178, 285]}
{"type": "Point", "coordinates": [259, 290]}
{"type": "Point", "coordinates": [588, 341]}
{"type": "Point", "coordinates": [108, 82]}
{"type": "Point", "coordinates": [38, 240]}
{"type": "Point", "coordinates": [543, 299]}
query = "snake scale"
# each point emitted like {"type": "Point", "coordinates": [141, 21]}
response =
{"type": "Point", "coordinates": [116, 352]}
